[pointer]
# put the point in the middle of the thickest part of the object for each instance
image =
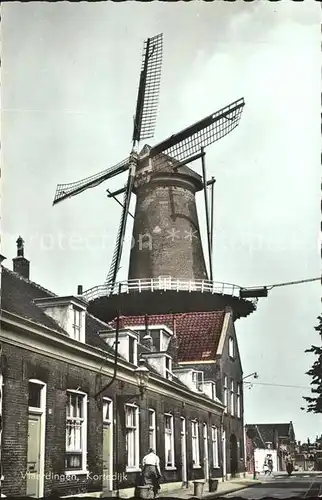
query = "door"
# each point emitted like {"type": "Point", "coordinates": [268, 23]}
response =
{"type": "Point", "coordinates": [107, 442]}
{"type": "Point", "coordinates": [233, 455]}
{"type": "Point", "coordinates": [33, 456]}
{"type": "Point", "coordinates": [205, 452]}
{"type": "Point", "coordinates": [183, 451]}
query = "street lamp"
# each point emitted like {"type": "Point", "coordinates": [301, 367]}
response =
{"type": "Point", "coordinates": [254, 374]}
{"type": "Point", "coordinates": [142, 375]}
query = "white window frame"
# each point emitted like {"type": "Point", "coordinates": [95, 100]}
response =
{"type": "Point", "coordinates": [42, 406]}
{"type": "Point", "coordinates": [152, 430]}
{"type": "Point", "coordinates": [232, 398]}
{"type": "Point", "coordinates": [198, 379]}
{"type": "Point", "coordinates": [135, 350]}
{"type": "Point", "coordinates": [214, 447]}
{"type": "Point", "coordinates": [238, 402]}
{"type": "Point", "coordinates": [82, 422]}
{"type": "Point", "coordinates": [107, 404]}
{"type": "Point", "coordinates": [231, 347]}
{"type": "Point", "coordinates": [168, 371]}
{"type": "Point", "coordinates": [195, 444]}
{"type": "Point", "coordinates": [77, 324]}
{"type": "Point", "coordinates": [169, 433]}
{"type": "Point", "coordinates": [225, 391]}
{"type": "Point", "coordinates": [133, 429]}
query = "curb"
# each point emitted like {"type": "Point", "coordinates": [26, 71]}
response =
{"type": "Point", "coordinates": [226, 492]}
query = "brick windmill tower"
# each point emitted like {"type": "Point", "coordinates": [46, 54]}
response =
{"type": "Point", "coordinates": [167, 266]}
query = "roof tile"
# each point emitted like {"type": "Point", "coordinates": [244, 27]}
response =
{"type": "Point", "coordinates": [197, 333]}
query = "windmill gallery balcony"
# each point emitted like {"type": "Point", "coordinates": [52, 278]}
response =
{"type": "Point", "coordinates": [164, 294]}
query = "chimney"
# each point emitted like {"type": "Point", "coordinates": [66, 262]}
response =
{"type": "Point", "coordinates": [80, 290]}
{"type": "Point", "coordinates": [20, 264]}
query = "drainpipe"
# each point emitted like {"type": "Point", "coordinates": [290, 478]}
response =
{"type": "Point", "coordinates": [223, 449]}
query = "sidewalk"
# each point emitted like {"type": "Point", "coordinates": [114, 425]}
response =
{"type": "Point", "coordinates": [223, 488]}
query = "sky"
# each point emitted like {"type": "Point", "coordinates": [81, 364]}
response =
{"type": "Point", "coordinates": [69, 84]}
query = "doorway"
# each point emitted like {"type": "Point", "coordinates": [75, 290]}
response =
{"type": "Point", "coordinates": [233, 455]}
{"type": "Point", "coordinates": [36, 439]}
{"type": "Point", "coordinates": [107, 446]}
{"type": "Point", "coordinates": [183, 453]}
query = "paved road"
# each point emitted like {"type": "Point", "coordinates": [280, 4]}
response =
{"type": "Point", "coordinates": [280, 485]}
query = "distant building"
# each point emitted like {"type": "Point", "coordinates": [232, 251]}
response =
{"type": "Point", "coordinates": [278, 437]}
{"type": "Point", "coordinates": [308, 455]}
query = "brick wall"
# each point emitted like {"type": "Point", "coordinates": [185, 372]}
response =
{"type": "Point", "coordinates": [21, 365]}
{"type": "Point", "coordinates": [166, 214]}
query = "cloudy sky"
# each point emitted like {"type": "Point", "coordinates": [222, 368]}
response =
{"type": "Point", "coordinates": [69, 81]}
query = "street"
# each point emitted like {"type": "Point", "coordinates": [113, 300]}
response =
{"type": "Point", "coordinates": [280, 485]}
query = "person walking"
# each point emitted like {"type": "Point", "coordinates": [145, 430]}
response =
{"type": "Point", "coordinates": [151, 471]}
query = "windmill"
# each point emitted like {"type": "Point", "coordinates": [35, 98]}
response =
{"type": "Point", "coordinates": [153, 168]}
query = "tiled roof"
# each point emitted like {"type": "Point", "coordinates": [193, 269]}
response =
{"type": "Point", "coordinates": [197, 333]}
{"type": "Point", "coordinates": [17, 297]}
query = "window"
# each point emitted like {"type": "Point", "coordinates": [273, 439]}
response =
{"type": "Point", "coordinates": [213, 391]}
{"type": "Point", "coordinates": [231, 347]}
{"type": "Point", "coordinates": [169, 441]}
{"type": "Point", "coordinates": [238, 401]}
{"type": "Point", "coordinates": [232, 398]}
{"type": "Point", "coordinates": [214, 445]}
{"type": "Point", "coordinates": [152, 430]}
{"type": "Point", "coordinates": [107, 410]}
{"type": "Point", "coordinates": [197, 379]}
{"type": "Point", "coordinates": [34, 399]}
{"type": "Point", "coordinates": [76, 323]}
{"type": "Point", "coordinates": [168, 368]}
{"type": "Point", "coordinates": [132, 436]}
{"type": "Point", "coordinates": [131, 350]}
{"type": "Point", "coordinates": [76, 431]}
{"type": "Point", "coordinates": [225, 393]}
{"type": "Point", "coordinates": [195, 443]}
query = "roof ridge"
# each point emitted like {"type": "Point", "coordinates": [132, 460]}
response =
{"type": "Point", "coordinates": [26, 280]}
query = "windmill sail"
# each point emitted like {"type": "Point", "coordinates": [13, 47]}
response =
{"type": "Point", "coordinates": [190, 140]}
{"type": "Point", "coordinates": [114, 264]}
{"type": "Point", "coordinates": [64, 191]}
{"type": "Point", "coordinates": [117, 255]}
{"type": "Point", "coordinates": [149, 88]}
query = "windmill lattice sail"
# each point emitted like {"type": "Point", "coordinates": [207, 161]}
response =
{"type": "Point", "coordinates": [114, 267]}
{"type": "Point", "coordinates": [149, 88]}
{"type": "Point", "coordinates": [189, 141]}
{"type": "Point", "coordinates": [64, 191]}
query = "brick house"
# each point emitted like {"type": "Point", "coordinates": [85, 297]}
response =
{"type": "Point", "coordinates": [58, 436]}
{"type": "Point", "coordinates": [207, 355]}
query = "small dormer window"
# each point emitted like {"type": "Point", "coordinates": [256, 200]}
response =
{"type": "Point", "coordinates": [132, 350]}
{"type": "Point", "coordinates": [168, 368]}
{"type": "Point", "coordinates": [231, 347]}
{"type": "Point", "coordinates": [197, 380]}
{"type": "Point", "coordinates": [76, 323]}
